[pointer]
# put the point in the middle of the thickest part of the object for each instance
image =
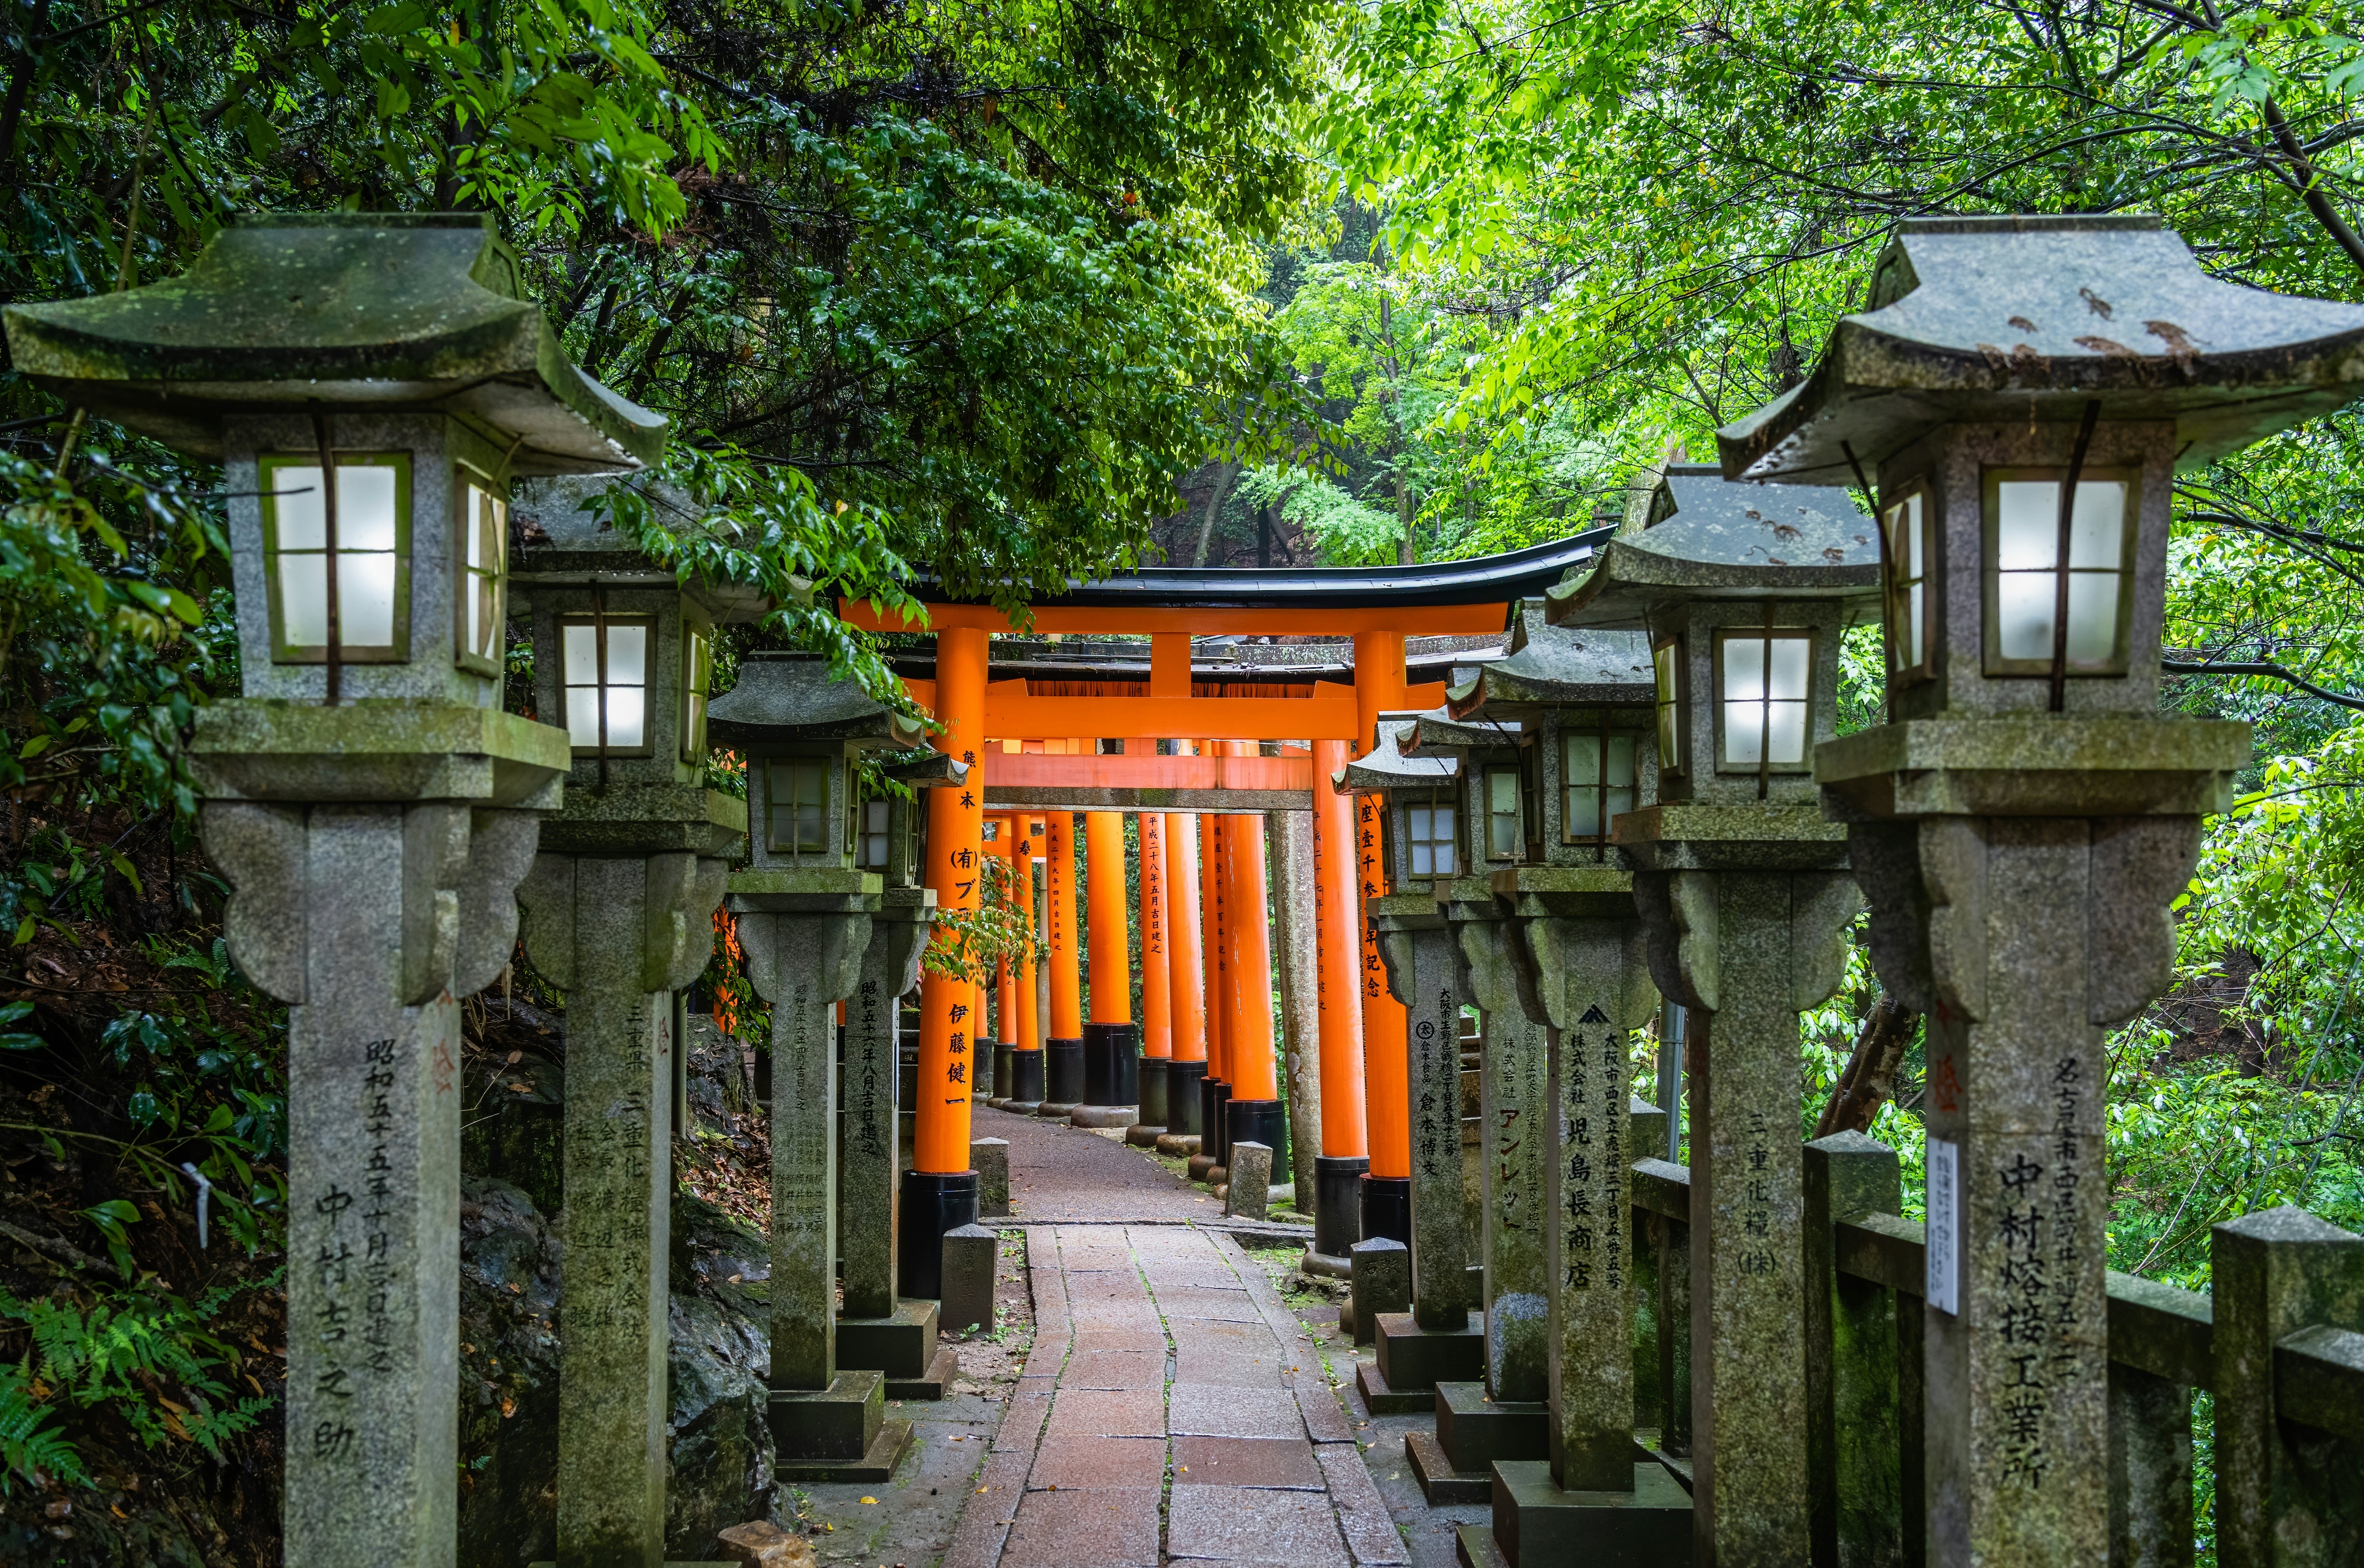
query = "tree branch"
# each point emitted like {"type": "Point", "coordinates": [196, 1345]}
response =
{"type": "Point", "coordinates": [2266, 669]}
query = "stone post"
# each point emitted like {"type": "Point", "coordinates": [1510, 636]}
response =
{"type": "Point", "coordinates": [1248, 1193]}
{"type": "Point", "coordinates": [369, 919]}
{"type": "Point", "coordinates": [1853, 1444]}
{"type": "Point", "coordinates": [1744, 951]}
{"type": "Point", "coordinates": [2285, 1488]}
{"type": "Point", "coordinates": [617, 934]}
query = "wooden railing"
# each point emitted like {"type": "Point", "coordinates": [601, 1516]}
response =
{"type": "Point", "coordinates": [2288, 1386]}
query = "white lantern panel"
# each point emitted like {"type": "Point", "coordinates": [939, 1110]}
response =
{"type": "Point", "coordinates": [367, 517]}
{"type": "Point", "coordinates": [364, 599]}
{"type": "Point", "coordinates": [1765, 706]}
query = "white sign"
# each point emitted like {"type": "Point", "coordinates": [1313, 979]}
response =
{"type": "Point", "coordinates": [1944, 1228]}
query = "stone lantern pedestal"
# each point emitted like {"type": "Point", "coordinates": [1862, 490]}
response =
{"type": "Point", "coordinates": [374, 852]}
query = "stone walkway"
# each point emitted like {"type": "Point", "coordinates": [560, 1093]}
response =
{"type": "Point", "coordinates": [1171, 1410]}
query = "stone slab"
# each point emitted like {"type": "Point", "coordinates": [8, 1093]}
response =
{"type": "Point", "coordinates": [1208, 1305]}
{"type": "Point", "coordinates": [971, 1260]}
{"type": "Point", "coordinates": [1246, 1462]}
{"type": "Point", "coordinates": [837, 1424]}
{"type": "Point", "coordinates": [1108, 1413]}
{"type": "Point", "coordinates": [1206, 1409]}
{"type": "Point", "coordinates": [1228, 1524]}
{"type": "Point", "coordinates": [1414, 1357]}
{"type": "Point", "coordinates": [1371, 1535]}
{"type": "Point", "coordinates": [1113, 1369]}
{"type": "Point", "coordinates": [1472, 1547]}
{"type": "Point", "coordinates": [1381, 1399]}
{"type": "Point", "coordinates": [1539, 1526]}
{"type": "Point", "coordinates": [1073, 1463]}
{"type": "Point", "coordinates": [1103, 1529]}
{"type": "Point", "coordinates": [934, 1383]}
{"type": "Point", "coordinates": [989, 1158]}
{"type": "Point", "coordinates": [1474, 1429]}
{"type": "Point", "coordinates": [878, 1462]}
{"type": "Point", "coordinates": [1440, 1482]}
{"type": "Point", "coordinates": [900, 1345]}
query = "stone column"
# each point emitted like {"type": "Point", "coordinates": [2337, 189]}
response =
{"type": "Point", "coordinates": [369, 920]}
{"type": "Point", "coordinates": [1288, 837]}
{"type": "Point", "coordinates": [1513, 1087]}
{"type": "Point", "coordinates": [2024, 939]}
{"type": "Point", "coordinates": [617, 934]}
{"type": "Point", "coordinates": [1746, 952]}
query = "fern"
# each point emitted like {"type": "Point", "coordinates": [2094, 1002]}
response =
{"type": "Point", "coordinates": [116, 1351]}
{"type": "Point", "coordinates": [28, 1447]}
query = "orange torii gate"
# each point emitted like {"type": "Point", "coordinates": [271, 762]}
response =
{"type": "Point", "coordinates": [1034, 745]}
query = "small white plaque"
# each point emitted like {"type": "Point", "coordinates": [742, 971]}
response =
{"type": "Point", "coordinates": [1944, 1228]}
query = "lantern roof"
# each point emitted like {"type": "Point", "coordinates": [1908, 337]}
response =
{"type": "Point", "coordinates": [784, 697]}
{"type": "Point", "coordinates": [1552, 666]}
{"type": "Point", "coordinates": [935, 770]}
{"type": "Point", "coordinates": [1440, 734]}
{"type": "Point", "coordinates": [2015, 318]}
{"type": "Point", "coordinates": [381, 312]}
{"type": "Point", "coordinates": [1385, 767]}
{"type": "Point", "coordinates": [1702, 537]}
{"type": "Point", "coordinates": [558, 540]}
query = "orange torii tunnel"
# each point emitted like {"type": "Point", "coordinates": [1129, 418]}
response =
{"type": "Point", "coordinates": [1195, 703]}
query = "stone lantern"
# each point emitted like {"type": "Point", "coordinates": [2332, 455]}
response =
{"type": "Point", "coordinates": [1552, 949]}
{"type": "Point", "coordinates": [2022, 391]}
{"type": "Point", "coordinates": [619, 916]}
{"type": "Point", "coordinates": [1743, 592]}
{"type": "Point", "coordinates": [819, 925]}
{"type": "Point", "coordinates": [371, 383]}
{"type": "Point", "coordinates": [1424, 839]}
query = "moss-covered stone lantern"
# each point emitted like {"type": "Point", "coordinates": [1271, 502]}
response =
{"type": "Point", "coordinates": [1425, 839]}
{"type": "Point", "coordinates": [1552, 951]}
{"type": "Point", "coordinates": [372, 383]}
{"type": "Point", "coordinates": [2022, 392]}
{"type": "Point", "coordinates": [820, 927]}
{"type": "Point", "coordinates": [1743, 592]}
{"type": "Point", "coordinates": [620, 911]}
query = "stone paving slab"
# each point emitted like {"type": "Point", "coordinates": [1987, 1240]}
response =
{"type": "Point", "coordinates": [1228, 1524]}
{"type": "Point", "coordinates": [1246, 1462]}
{"type": "Point", "coordinates": [1104, 1528]}
{"type": "Point", "coordinates": [1071, 1463]}
{"type": "Point", "coordinates": [1112, 1369]}
{"type": "Point", "coordinates": [1213, 1411]}
{"type": "Point", "coordinates": [1106, 1413]}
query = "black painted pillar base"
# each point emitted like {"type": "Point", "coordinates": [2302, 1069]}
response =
{"type": "Point", "coordinates": [932, 1203]}
{"type": "Point", "coordinates": [1259, 1121]}
{"type": "Point", "coordinates": [1025, 1077]}
{"type": "Point", "coordinates": [1337, 1202]}
{"type": "Point", "coordinates": [1215, 1143]}
{"type": "Point", "coordinates": [1111, 1054]}
{"type": "Point", "coordinates": [1002, 1072]}
{"type": "Point", "coordinates": [1063, 1071]}
{"type": "Point", "coordinates": [1387, 1208]}
{"type": "Point", "coordinates": [1153, 1101]}
{"type": "Point", "coordinates": [1184, 1097]}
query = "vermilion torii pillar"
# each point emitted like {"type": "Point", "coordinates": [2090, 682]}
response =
{"type": "Point", "coordinates": [1387, 1191]}
{"type": "Point", "coordinates": [1345, 1159]}
{"type": "Point", "coordinates": [1156, 998]}
{"type": "Point", "coordinates": [940, 1190]}
{"type": "Point", "coordinates": [1062, 1050]}
{"type": "Point", "coordinates": [1015, 978]}
{"type": "Point", "coordinates": [1215, 1091]}
{"type": "Point", "coordinates": [1186, 985]}
{"type": "Point", "coordinates": [1111, 1051]}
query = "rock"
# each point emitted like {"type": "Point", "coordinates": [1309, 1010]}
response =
{"type": "Point", "coordinates": [760, 1543]}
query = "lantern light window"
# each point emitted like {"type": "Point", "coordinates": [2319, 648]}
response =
{"type": "Point", "coordinates": [482, 529]}
{"type": "Point", "coordinates": [1597, 782]}
{"type": "Point", "coordinates": [1667, 660]}
{"type": "Point", "coordinates": [1765, 682]}
{"type": "Point", "coordinates": [1504, 840]}
{"type": "Point", "coordinates": [606, 661]}
{"type": "Point", "coordinates": [1911, 607]}
{"type": "Point", "coordinates": [1429, 837]}
{"type": "Point", "coordinates": [796, 793]}
{"type": "Point", "coordinates": [373, 536]}
{"type": "Point", "coordinates": [2024, 530]}
{"type": "Point", "coordinates": [874, 813]}
{"type": "Point", "coordinates": [697, 673]}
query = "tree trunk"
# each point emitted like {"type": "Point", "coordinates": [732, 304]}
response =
{"type": "Point", "coordinates": [1869, 1078]}
{"type": "Point", "coordinates": [1289, 836]}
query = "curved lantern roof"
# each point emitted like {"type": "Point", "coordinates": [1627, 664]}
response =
{"type": "Point", "coordinates": [789, 696]}
{"type": "Point", "coordinates": [1708, 537]}
{"type": "Point", "coordinates": [559, 541]}
{"type": "Point", "coordinates": [2004, 318]}
{"type": "Point", "coordinates": [1441, 735]}
{"type": "Point", "coordinates": [382, 312]}
{"type": "Point", "coordinates": [1385, 767]}
{"type": "Point", "coordinates": [1551, 666]}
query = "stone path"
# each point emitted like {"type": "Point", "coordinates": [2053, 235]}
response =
{"type": "Point", "coordinates": [1171, 1410]}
